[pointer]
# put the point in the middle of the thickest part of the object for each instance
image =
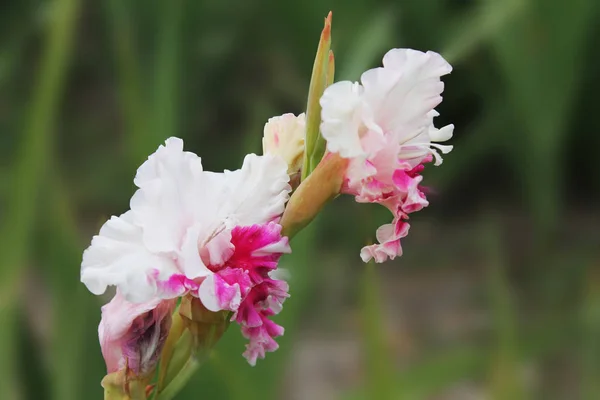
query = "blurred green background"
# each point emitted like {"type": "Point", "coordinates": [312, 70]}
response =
{"type": "Point", "coordinates": [498, 293]}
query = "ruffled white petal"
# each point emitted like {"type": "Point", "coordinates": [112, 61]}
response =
{"type": "Point", "coordinates": [188, 256]}
{"type": "Point", "coordinates": [392, 107]}
{"type": "Point", "coordinates": [341, 106]}
{"type": "Point", "coordinates": [164, 205]}
{"type": "Point", "coordinates": [414, 92]}
{"type": "Point", "coordinates": [117, 256]}
{"type": "Point", "coordinates": [180, 221]}
{"type": "Point", "coordinates": [257, 192]}
{"type": "Point", "coordinates": [442, 134]}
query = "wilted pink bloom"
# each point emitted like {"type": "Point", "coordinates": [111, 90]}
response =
{"type": "Point", "coordinates": [212, 235]}
{"type": "Point", "coordinates": [385, 127]}
{"type": "Point", "coordinates": [132, 335]}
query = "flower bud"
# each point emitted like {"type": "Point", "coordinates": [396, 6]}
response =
{"type": "Point", "coordinates": [324, 184]}
{"type": "Point", "coordinates": [284, 136]}
{"type": "Point", "coordinates": [132, 336]}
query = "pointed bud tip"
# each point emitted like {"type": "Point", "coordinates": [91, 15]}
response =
{"type": "Point", "coordinates": [326, 34]}
{"type": "Point", "coordinates": [149, 390]}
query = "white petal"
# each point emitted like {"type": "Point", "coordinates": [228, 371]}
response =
{"type": "Point", "coordinates": [442, 134]}
{"type": "Point", "coordinates": [118, 257]}
{"type": "Point", "coordinates": [341, 119]}
{"type": "Point", "coordinates": [282, 274]}
{"type": "Point", "coordinates": [400, 58]}
{"type": "Point", "coordinates": [257, 192]}
{"type": "Point", "coordinates": [281, 246]}
{"type": "Point", "coordinates": [207, 294]}
{"type": "Point", "coordinates": [180, 219]}
{"type": "Point", "coordinates": [415, 91]}
{"type": "Point", "coordinates": [219, 249]}
{"type": "Point", "coordinates": [189, 258]}
{"type": "Point", "coordinates": [163, 205]}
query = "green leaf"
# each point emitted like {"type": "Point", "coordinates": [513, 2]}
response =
{"type": "Point", "coordinates": [505, 378]}
{"type": "Point", "coordinates": [135, 110]}
{"type": "Point", "coordinates": [368, 45]}
{"type": "Point", "coordinates": [590, 328]}
{"type": "Point", "coordinates": [166, 77]}
{"type": "Point", "coordinates": [32, 160]}
{"type": "Point", "coordinates": [379, 366]}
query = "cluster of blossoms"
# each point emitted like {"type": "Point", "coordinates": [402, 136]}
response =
{"type": "Point", "coordinates": [216, 238]}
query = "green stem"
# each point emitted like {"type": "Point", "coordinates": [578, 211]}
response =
{"type": "Point", "coordinates": [181, 379]}
{"type": "Point", "coordinates": [176, 333]}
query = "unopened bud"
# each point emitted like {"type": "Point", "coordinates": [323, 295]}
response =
{"type": "Point", "coordinates": [313, 193]}
{"type": "Point", "coordinates": [284, 136]}
{"type": "Point", "coordinates": [132, 336]}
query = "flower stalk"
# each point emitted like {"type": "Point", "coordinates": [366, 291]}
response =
{"type": "Point", "coordinates": [175, 334]}
{"type": "Point", "coordinates": [194, 333]}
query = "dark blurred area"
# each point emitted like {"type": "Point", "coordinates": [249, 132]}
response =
{"type": "Point", "coordinates": [497, 295]}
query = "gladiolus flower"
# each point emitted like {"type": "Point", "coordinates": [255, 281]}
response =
{"type": "Point", "coordinates": [212, 235]}
{"type": "Point", "coordinates": [384, 126]}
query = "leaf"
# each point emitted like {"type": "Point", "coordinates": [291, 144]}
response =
{"type": "Point", "coordinates": [378, 364]}
{"type": "Point", "coordinates": [32, 160]}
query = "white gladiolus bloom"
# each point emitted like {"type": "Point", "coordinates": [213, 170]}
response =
{"type": "Point", "coordinates": [180, 222]}
{"type": "Point", "coordinates": [214, 236]}
{"type": "Point", "coordinates": [384, 125]}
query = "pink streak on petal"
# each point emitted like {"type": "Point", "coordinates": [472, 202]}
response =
{"type": "Point", "coordinates": [176, 286]}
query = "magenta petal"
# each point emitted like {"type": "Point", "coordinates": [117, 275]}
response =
{"type": "Point", "coordinates": [257, 247]}
{"type": "Point", "coordinates": [242, 284]}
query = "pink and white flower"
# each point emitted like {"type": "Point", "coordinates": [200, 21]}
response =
{"type": "Point", "coordinates": [189, 231]}
{"type": "Point", "coordinates": [384, 126]}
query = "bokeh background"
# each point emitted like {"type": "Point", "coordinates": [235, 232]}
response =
{"type": "Point", "coordinates": [498, 293]}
